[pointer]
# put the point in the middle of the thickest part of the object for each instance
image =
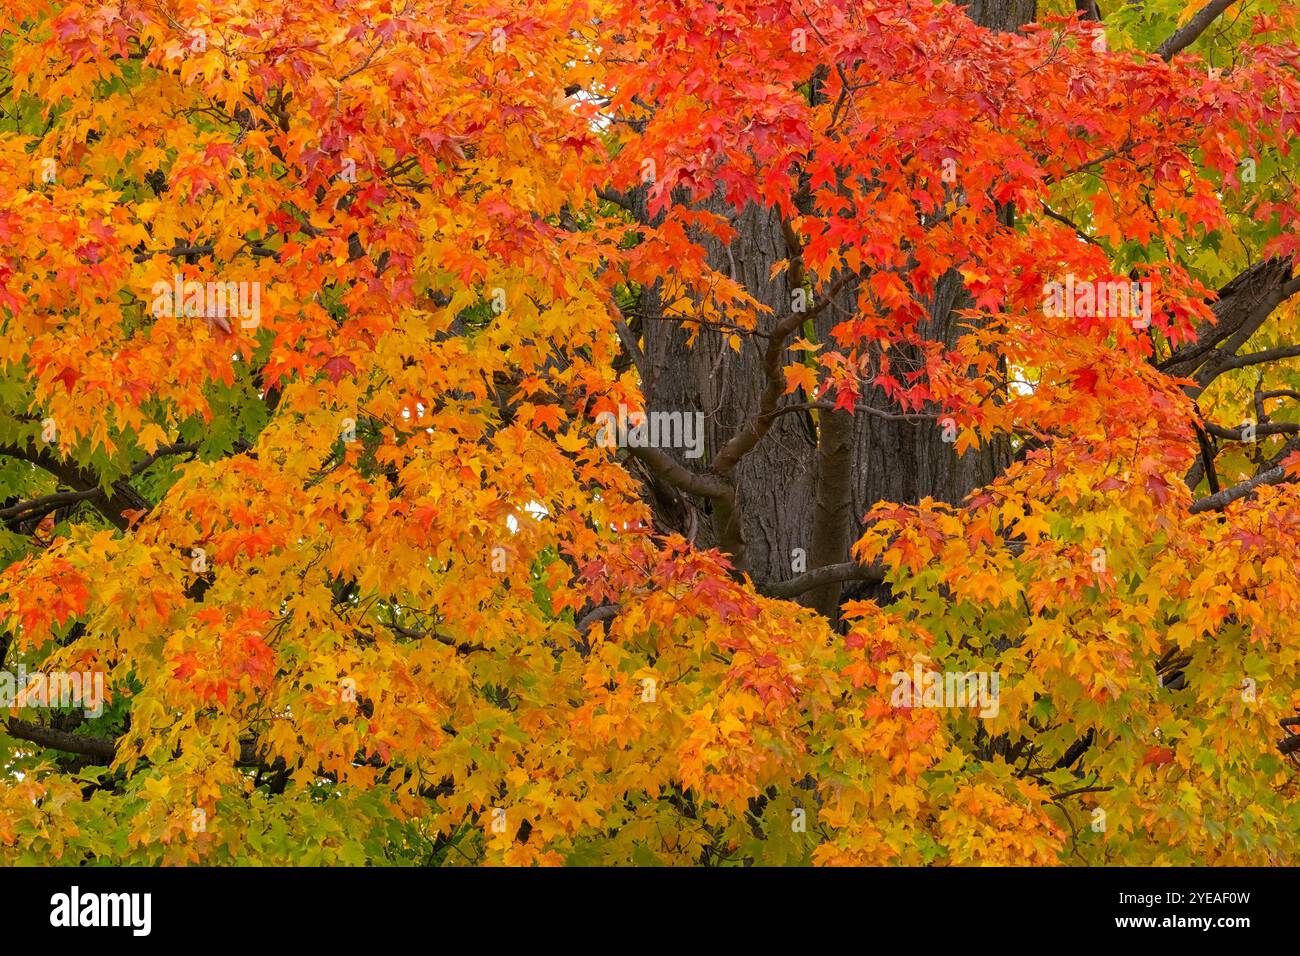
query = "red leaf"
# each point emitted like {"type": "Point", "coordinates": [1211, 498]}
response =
{"type": "Point", "coordinates": [1158, 756]}
{"type": "Point", "coordinates": [68, 377]}
{"type": "Point", "coordinates": [338, 366]}
{"type": "Point", "coordinates": [185, 667]}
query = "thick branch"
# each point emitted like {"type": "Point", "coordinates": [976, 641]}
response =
{"type": "Point", "coordinates": [1242, 307]}
{"type": "Point", "coordinates": [605, 612]}
{"type": "Point", "coordinates": [667, 468]}
{"type": "Point", "coordinates": [420, 634]}
{"type": "Point", "coordinates": [618, 199]}
{"type": "Point", "coordinates": [1198, 24]}
{"type": "Point", "coordinates": [752, 432]}
{"type": "Point", "coordinates": [1256, 358]}
{"type": "Point", "coordinates": [54, 739]}
{"type": "Point", "coordinates": [112, 504]}
{"type": "Point", "coordinates": [100, 748]}
{"type": "Point", "coordinates": [1272, 476]}
{"type": "Point", "coordinates": [1088, 9]}
{"type": "Point", "coordinates": [633, 349]}
{"type": "Point", "coordinates": [832, 507]}
{"type": "Point", "coordinates": [40, 507]}
{"type": "Point", "coordinates": [1263, 428]}
{"type": "Point", "coordinates": [830, 574]}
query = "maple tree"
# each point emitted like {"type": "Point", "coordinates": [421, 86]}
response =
{"type": "Point", "coordinates": [364, 581]}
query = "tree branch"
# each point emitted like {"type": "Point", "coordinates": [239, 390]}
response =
{"type": "Point", "coordinates": [596, 615]}
{"type": "Point", "coordinates": [1272, 476]}
{"type": "Point", "coordinates": [1263, 428]}
{"type": "Point", "coordinates": [100, 748]}
{"type": "Point", "coordinates": [97, 747]}
{"type": "Point", "coordinates": [420, 634]}
{"type": "Point", "coordinates": [830, 574]}
{"type": "Point", "coordinates": [667, 468]}
{"type": "Point", "coordinates": [1187, 34]}
{"type": "Point", "coordinates": [111, 503]}
{"type": "Point", "coordinates": [1256, 358]}
{"type": "Point", "coordinates": [1242, 306]}
{"type": "Point", "coordinates": [752, 432]}
{"type": "Point", "coordinates": [618, 199]}
{"type": "Point", "coordinates": [865, 410]}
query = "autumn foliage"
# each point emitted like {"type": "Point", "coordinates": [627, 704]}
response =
{"type": "Point", "coordinates": [363, 583]}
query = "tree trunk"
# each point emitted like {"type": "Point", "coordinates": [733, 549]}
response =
{"type": "Point", "coordinates": [802, 492]}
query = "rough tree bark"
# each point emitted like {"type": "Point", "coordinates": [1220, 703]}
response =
{"type": "Point", "coordinates": [802, 491]}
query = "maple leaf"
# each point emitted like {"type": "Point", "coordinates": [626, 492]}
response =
{"type": "Point", "coordinates": [552, 416]}
{"type": "Point", "coordinates": [404, 542]}
{"type": "Point", "coordinates": [336, 366]}
{"type": "Point", "coordinates": [184, 666]}
{"type": "Point", "coordinates": [800, 376]}
{"type": "Point", "coordinates": [1158, 756]}
{"type": "Point", "coordinates": [68, 376]}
